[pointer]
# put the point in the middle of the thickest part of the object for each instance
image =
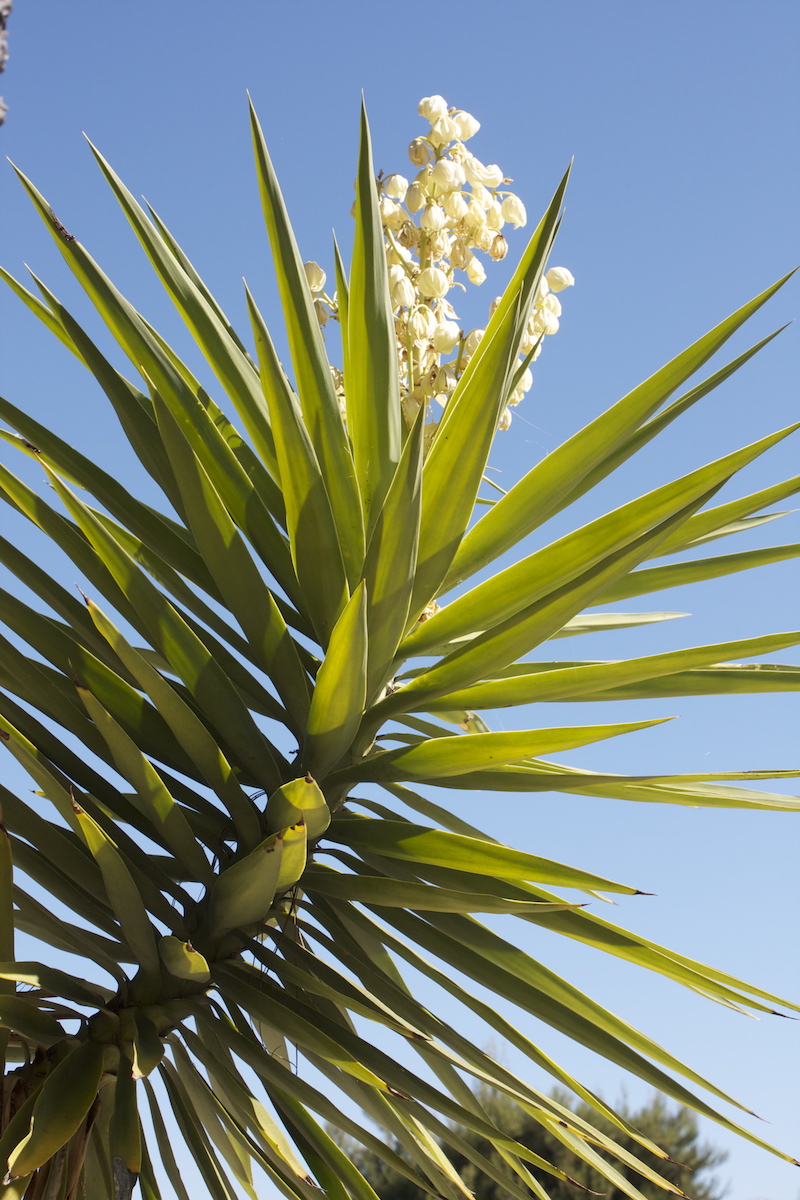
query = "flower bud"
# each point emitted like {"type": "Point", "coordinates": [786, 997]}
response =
{"type": "Point", "coordinates": [432, 107]}
{"type": "Point", "coordinates": [554, 304]}
{"type": "Point", "coordinates": [434, 283]}
{"type": "Point", "coordinates": [475, 271]}
{"type": "Point", "coordinates": [473, 340]}
{"type": "Point", "coordinates": [419, 151]}
{"type": "Point", "coordinates": [323, 315]}
{"type": "Point", "coordinates": [513, 211]}
{"type": "Point", "coordinates": [454, 205]}
{"type": "Point", "coordinates": [498, 248]}
{"type": "Point", "coordinates": [494, 216]}
{"type": "Point", "coordinates": [409, 235]}
{"type": "Point", "coordinates": [445, 337]}
{"type": "Point", "coordinates": [315, 275]}
{"type": "Point", "coordinates": [438, 244]}
{"type": "Point", "coordinates": [444, 379]}
{"type": "Point", "coordinates": [443, 131]}
{"type": "Point", "coordinates": [483, 237]}
{"type": "Point", "coordinates": [560, 278]}
{"type": "Point", "coordinates": [395, 187]}
{"type": "Point", "coordinates": [467, 125]}
{"type": "Point", "coordinates": [403, 293]}
{"type": "Point", "coordinates": [476, 172]}
{"type": "Point", "coordinates": [459, 254]}
{"type": "Point", "coordinates": [433, 217]}
{"type": "Point", "coordinates": [415, 198]}
{"type": "Point", "coordinates": [422, 323]}
{"type": "Point", "coordinates": [447, 176]}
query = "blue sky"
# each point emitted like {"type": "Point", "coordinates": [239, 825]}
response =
{"type": "Point", "coordinates": [682, 119]}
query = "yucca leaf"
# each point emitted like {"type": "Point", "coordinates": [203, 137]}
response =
{"type": "Point", "coordinates": [389, 567]}
{"type": "Point", "coordinates": [656, 424]}
{"type": "Point", "coordinates": [124, 897]}
{"type": "Point", "coordinates": [189, 658]}
{"type": "Point", "coordinates": [717, 522]}
{"type": "Point", "coordinates": [211, 331]}
{"type": "Point", "coordinates": [524, 683]}
{"type": "Point", "coordinates": [154, 797]}
{"type": "Point", "coordinates": [520, 633]}
{"type": "Point", "coordinates": [195, 1136]}
{"type": "Point", "coordinates": [603, 622]}
{"type": "Point", "coordinates": [237, 578]}
{"type": "Point", "coordinates": [545, 570]}
{"type": "Point", "coordinates": [317, 551]}
{"type": "Point", "coordinates": [165, 536]}
{"type": "Point", "coordinates": [559, 476]}
{"type": "Point", "coordinates": [395, 893]}
{"type": "Point", "coordinates": [164, 1143]}
{"type": "Point", "coordinates": [472, 948]}
{"type": "Point", "coordinates": [372, 387]}
{"type": "Point", "coordinates": [712, 681]}
{"type": "Point", "coordinates": [58, 982]}
{"type": "Point", "coordinates": [452, 755]}
{"type": "Point", "coordinates": [312, 370]}
{"type": "Point", "coordinates": [337, 705]}
{"type": "Point", "coordinates": [415, 843]}
{"type": "Point", "coordinates": [655, 579]}
{"type": "Point", "coordinates": [189, 730]}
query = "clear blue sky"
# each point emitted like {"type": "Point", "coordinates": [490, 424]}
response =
{"type": "Point", "coordinates": [682, 118]}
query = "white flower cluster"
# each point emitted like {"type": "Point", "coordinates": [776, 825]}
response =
{"type": "Point", "coordinates": [435, 226]}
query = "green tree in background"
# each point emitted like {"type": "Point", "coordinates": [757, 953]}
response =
{"type": "Point", "coordinates": [673, 1129]}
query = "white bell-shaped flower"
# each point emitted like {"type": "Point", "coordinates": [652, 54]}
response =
{"type": "Point", "coordinates": [505, 419]}
{"type": "Point", "coordinates": [460, 253]}
{"type": "Point", "coordinates": [494, 217]}
{"type": "Point", "coordinates": [499, 247]}
{"type": "Point", "coordinates": [433, 283]}
{"type": "Point", "coordinates": [476, 172]}
{"type": "Point", "coordinates": [473, 341]}
{"type": "Point", "coordinates": [443, 131]}
{"type": "Point", "coordinates": [474, 216]}
{"type": "Point", "coordinates": [526, 380]}
{"type": "Point", "coordinates": [395, 187]}
{"type": "Point", "coordinates": [560, 278]}
{"type": "Point", "coordinates": [403, 293]}
{"type": "Point", "coordinates": [392, 215]}
{"type": "Point", "coordinates": [454, 205]}
{"type": "Point", "coordinates": [415, 198]}
{"type": "Point", "coordinates": [447, 176]}
{"type": "Point", "coordinates": [552, 302]}
{"type": "Point", "coordinates": [513, 211]}
{"type": "Point", "coordinates": [419, 151]}
{"type": "Point", "coordinates": [481, 195]}
{"type": "Point", "coordinates": [445, 337]}
{"type": "Point", "coordinates": [483, 237]}
{"type": "Point", "coordinates": [422, 323]}
{"type": "Point", "coordinates": [475, 271]}
{"type": "Point", "coordinates": [433, 216]}
{"type": "Point", "coordinates": [315, 275]}
{"type": "Point", "coordinates": [544, 321]}
{"type": "Point", "coordinates": [467, 125]}
{"type": "Point", "coordinates": [432, 107]}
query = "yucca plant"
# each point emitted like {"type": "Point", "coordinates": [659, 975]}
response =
{"type": "Point", "coordinates": [202, 725]}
